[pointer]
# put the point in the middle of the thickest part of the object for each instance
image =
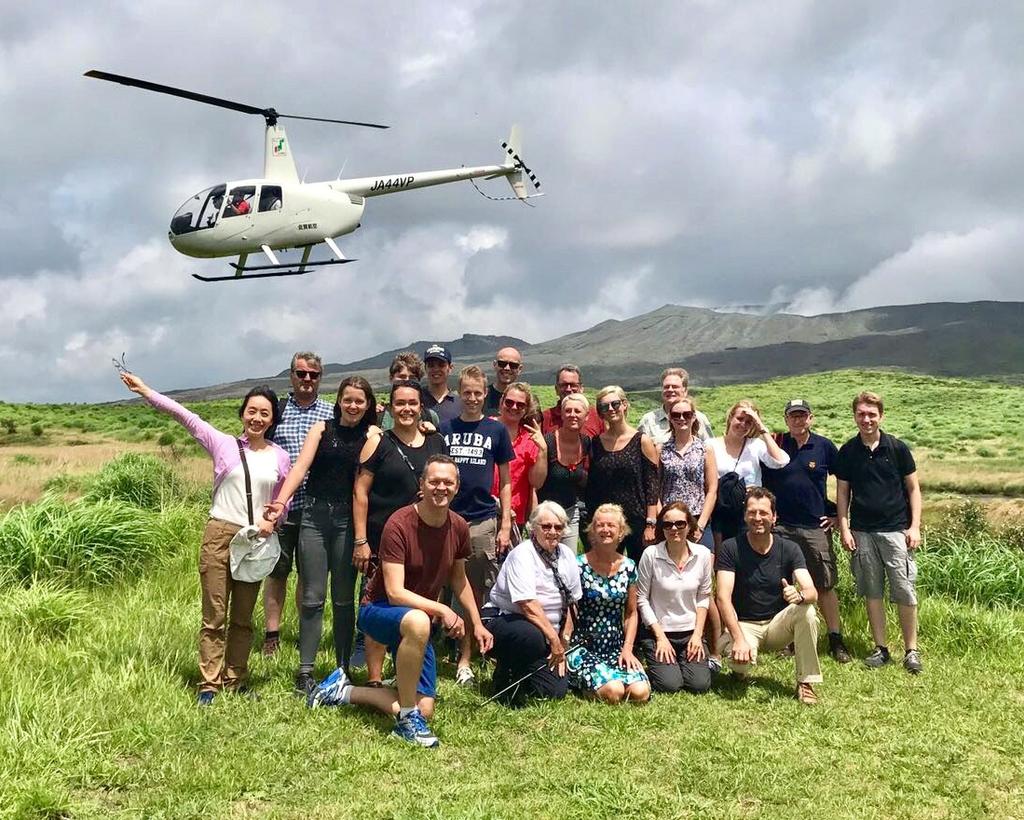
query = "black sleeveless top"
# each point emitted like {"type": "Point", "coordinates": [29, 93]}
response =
{"type": "Point", "coordinates": [564, 485]}
{"type": "Point", "coordinates": [624, 477]}
{"type": "Point", "coordinates": [333, 471]}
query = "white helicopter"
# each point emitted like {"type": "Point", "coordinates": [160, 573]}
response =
{"type": "Point", "coordinates": [278, 211]}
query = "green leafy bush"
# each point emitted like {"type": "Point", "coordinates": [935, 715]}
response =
{"type": "Point", "coordinates": [139, 479]}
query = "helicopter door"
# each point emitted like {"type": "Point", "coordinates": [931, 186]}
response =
{"type": "Point", "coordinates": [199, 212]}
{"type": "Point", "coordinates": [240, 201]}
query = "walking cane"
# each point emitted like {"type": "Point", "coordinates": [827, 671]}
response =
{"type": "Point", "coordinates": [496, 695]}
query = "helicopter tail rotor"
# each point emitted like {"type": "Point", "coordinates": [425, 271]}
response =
{"type": "Point", "coordinates": [513, 159]}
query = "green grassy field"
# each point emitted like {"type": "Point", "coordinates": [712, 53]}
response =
{"type": "Point", "coordinates": [98, 621]}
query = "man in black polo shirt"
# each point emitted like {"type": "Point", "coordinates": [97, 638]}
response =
{"type": "Point", "coordinates": [805, 515]}
{"type": "Point", "coordinates": [879, 506]}
{"type": "Point", "coordinates": [766, 597]}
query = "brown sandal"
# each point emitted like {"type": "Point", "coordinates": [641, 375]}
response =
{"type": "Point", "coordinates": [805, 694]}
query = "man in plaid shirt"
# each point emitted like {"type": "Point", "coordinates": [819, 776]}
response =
{"type": "Point", "coordinates": [301, 410]}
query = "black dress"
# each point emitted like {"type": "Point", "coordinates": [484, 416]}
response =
{"type": "Point", "coordinates": [627, 478]}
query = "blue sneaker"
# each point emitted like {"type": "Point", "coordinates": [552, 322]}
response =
{"type": "Point", "coordinates": [205, 698]}
{"type": "Point", "coordinates": [413, 729]}
{"type": "Point", "coordinates": [330, 690]}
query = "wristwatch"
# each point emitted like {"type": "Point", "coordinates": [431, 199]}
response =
{"type": "Point", "coordinates": [651, 522]}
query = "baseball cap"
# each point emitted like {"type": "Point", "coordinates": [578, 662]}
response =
{"type": "Point", "coordinates": [253, 556]}
{"type": "Point", "coordinates": [437, 352]}
{"type": "Point", "coordinates": [797, 404]}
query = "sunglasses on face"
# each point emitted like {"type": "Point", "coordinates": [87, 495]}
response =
{"type": "Point", "coordinates": [685, 415]}
{"type": "Point", "coordinates": [303, 375]}
{"type": "Point", "coordinates": [503, 365]}
{"type": "Point", "coordinates": [614, 404]}
{"type": "Point", "coordinates": [552, 527]}
{"type": "Point", "coordinates": [681, 524]}
{"type": "Point", "coordinates": [512, 404]}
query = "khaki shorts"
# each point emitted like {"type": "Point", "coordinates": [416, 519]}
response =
{"type": "Point", "coordinates": [881, 556]}
{"type": "Point", "coordinates": [816, 545]}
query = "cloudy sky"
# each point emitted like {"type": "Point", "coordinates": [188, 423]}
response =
{"type": "Point", "coordinates": [818, 156]}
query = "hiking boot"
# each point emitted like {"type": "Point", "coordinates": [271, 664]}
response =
{"type": "Point", "coordinates": [464, 676]}
{"type": "Point", "coordinates": [305, 683]}
{"type": "Point", "coordinates": [271, 643]}
{"type": "Point", "coordinates": [912, 662]}
{"type": "Point", "coordinates": [205, 698]}
{"type": "Point", "coordinates": [805, 694]}
{"type": "Point", "coordinates": [878, 658]}
{"type": "Point", "coordinates": [837, 649]}
{"type": "Point", "coordinates": [330, 690]}
{"type": "Point", "coordinates": [413, 729]}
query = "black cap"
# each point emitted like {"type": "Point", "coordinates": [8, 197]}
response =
{"type": "Point", "coordinates": [437, 352]}
{"type": "Point", "coordinates": [797, 404]}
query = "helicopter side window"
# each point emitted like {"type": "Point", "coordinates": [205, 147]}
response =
{"type": "Point", "coordinates": [199, 212]}
{"type": "Point", "coordinates": [240, 201]}
{"type": "Point", "coordinates": [270, 198]}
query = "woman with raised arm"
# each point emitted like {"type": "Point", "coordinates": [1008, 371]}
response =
{"type": "Point", "coordinates": [224, 652]}
{"type": "Point", "coordinates": [746, 445]}
{"type": "Point", "coordinates": [529, 468]}
{"type": "Point", "coordinates": [604, 665]}
{"type": "Point", "coordinates": [330, 455]}
{"type": "Point", "coordinates": [624, 471]}
{"type": "Point", "coordinates": [673, 596]}
{"type": "Point", "coordinates": [390, 466]}
{"type": "Point", "coordinates": [568, 461]}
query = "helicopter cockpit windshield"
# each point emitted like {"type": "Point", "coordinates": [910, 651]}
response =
{"type": "Point", "coordinates": [199, 212]}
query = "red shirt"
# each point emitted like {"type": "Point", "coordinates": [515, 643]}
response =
{"type": "Point", "coordinates": [519, 474]}
{"type": "Point", "coordinates": [592, 424]}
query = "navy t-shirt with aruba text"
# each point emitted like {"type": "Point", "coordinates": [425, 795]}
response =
{"type": "Point", "coordinates": [476, 447]}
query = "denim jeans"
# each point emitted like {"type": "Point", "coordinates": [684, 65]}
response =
{"type": "Point", "coordinates": [325, 547]}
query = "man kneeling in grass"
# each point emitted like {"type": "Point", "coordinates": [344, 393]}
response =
{"type": "Point", "coordinates": [423, 547]}
{"type": "Point", "coordinates": [766, 596]}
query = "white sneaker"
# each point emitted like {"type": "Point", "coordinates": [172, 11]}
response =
{"type": "Point", "coordinates": [464, 676]}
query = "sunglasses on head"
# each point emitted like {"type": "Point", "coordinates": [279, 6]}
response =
{"type": "Point", "coordinates": [303, 375]}
{"type": "Point", "coordinates": [681, 524]}
{"type": "Point", "coordinates": [683, 415]}
{"type": "Point", "coordinates": [512, 404]}
{"type": "Point", "coordinates": [605, 406]}
{"type": "Point", "coordinates": [503, 365]}
{"type": "Point", "coordinates": [548, 527]}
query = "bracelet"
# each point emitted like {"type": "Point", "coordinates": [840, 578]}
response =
{"type": "Point", "coordinates": [651, 522]}
{"type": "Point", "coordinates": [360, 541]}
{"type": "Point", "coordinates": [801, 594]}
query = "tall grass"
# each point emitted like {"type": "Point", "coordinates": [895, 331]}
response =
{"type": "Point", "coordinates": [138, 479]}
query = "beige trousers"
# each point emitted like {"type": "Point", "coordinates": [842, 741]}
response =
{"type": "Point", "coordinates": [797, 624]}
{"type": "Point", "coordinates": [223, 652]}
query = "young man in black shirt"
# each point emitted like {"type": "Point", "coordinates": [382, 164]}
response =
{"type": "Point", "coordinates": [766, 597]}
{"type": "Point", "coordinates": [879, 501]}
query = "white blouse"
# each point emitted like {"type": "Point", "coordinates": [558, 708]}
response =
{"type": "Point", "coordinates": [755, 453]}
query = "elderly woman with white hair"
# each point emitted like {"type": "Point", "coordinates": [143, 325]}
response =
{"type": "Point", "coordinates": [529, 608]}
{"type": "Point", "coordinates": [568, 461]}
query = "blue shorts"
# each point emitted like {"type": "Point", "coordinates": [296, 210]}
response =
{"type": "Point", "coordinates": [382, 622]}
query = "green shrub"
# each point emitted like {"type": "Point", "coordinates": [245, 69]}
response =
{"type": "Point", "coordinates": [964, 519]}
{"type": "Point", "coordinates": [137, 478]}
{"type": "Point", "coordinates": [37, 430]}
{"type": "Point", "coordinates": [44, 610]}
{"type": "Point", "coordinates": [10, 426]}
{"type": "Point", "coordinates": [24, 458]}
{"type": "Point", "coordinates": [85, 542]}
{"type": "Point", "coordinates": [166, 438]}
{"type": "Point", "coordinates": [980, 569]}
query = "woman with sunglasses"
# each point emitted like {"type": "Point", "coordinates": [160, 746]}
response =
{"type": "Point", "coordinates": [225, 638]}
{"type": "Point", "coordinates": [568, 462]}
{"type": "Point", "coordinates": [624, 471]}
{"type": "Point", "coordinates": [390, 466]}
{"type": "Point", "coordinates": [673, 595]}
{"type": "Point", "coordinates": [530, 604]}
{"type": "Point", "coordinates": [604, 665]}
{"type": "Point", "coordinates": [330, 455]}
{"type": "Point", "coordinates": [529, 468]}
{"type": "Point", "coordinates": [688, 469]}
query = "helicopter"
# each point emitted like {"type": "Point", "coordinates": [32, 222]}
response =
{"type": "Point", "coordinates": [278, 211]}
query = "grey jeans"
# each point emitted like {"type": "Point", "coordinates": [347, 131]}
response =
{"type": "Point", "coordinates": [325, 547]}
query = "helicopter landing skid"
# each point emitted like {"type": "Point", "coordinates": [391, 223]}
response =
{"type": "Point", "coordinates": [240, 276]}
{"type": "Point", "coordinates": [246, 269]}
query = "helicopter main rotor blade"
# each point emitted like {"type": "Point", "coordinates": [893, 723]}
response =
{"type": "Point", "coordinates": [342, 122]}
{"type": "Point", "coordinates": [269, 114]}
{"type": "Point", "coordinates": [175, 92]}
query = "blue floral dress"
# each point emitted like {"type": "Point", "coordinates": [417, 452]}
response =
{"type": "Point", "coordinates": [600, 628]}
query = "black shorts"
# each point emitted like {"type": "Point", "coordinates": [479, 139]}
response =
{"type": "Point", "coordinates": [288, 537]}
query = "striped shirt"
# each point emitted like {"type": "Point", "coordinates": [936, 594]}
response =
{"type": "Point", "coordinates": [292, 429]}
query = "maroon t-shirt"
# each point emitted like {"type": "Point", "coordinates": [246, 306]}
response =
{"type": "Point", "coordinates": [428, 553]}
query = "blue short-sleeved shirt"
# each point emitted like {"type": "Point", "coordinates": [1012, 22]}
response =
{"type": "Point", "coordinates": [476, 447]}
{"type": "Point", "coordinates": [799, 487]}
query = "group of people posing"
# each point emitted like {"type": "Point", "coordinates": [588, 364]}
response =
{"type": "Point", "coordinates": [464, 511]}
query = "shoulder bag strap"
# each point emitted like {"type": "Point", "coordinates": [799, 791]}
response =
{"type": "Point", "coordinates": [401, 452]}
{"type": "Point", "coordinates": [248, 479]}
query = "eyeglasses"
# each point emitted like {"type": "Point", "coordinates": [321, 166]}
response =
{"type": "Point", "coordinates": [552, 527]}
{"type": "Point", "coordinates": [681, 524]}
{"type": "Point", "coordinates": [503, 365]}
{"type": "Point", "coordinates": [303, 375]}
{"type": "Point", "coordinates": [570, 387]}
{"type": "Point", "coordinates": [512, 404]}
{"type": "Point", "coordinates": [614, 404]}
{"type": "Point", "coordinates": [686, 415]}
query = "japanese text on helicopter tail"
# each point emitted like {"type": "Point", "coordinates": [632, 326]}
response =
{"type": "Point", "coordinates": [392, 184]}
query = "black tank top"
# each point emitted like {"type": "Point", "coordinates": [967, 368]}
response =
{"type": "Point", "coordinates": [334, 466]}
